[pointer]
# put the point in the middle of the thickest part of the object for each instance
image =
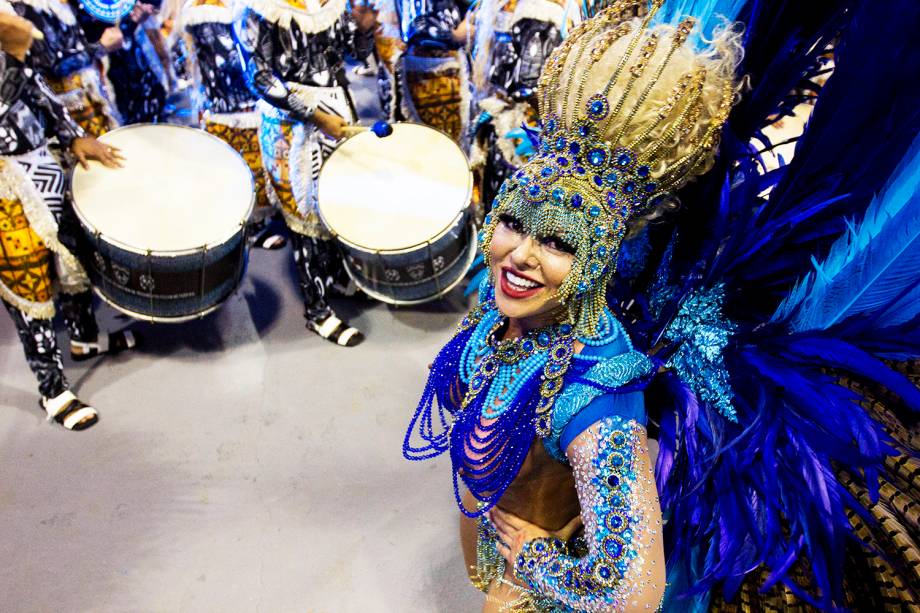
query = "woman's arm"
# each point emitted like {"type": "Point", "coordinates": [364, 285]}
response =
{"type": "Point", "coordinates": [624, 568]}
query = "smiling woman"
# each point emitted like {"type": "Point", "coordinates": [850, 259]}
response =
{"type": "Point", "coordinates": [541, 383]}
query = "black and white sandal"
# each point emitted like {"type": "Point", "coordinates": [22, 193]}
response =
{"type": "Point", "coordinates": [69, 411]}
{"type": "Point", "coordinates": [336, 331]}
{"type": "Point", "coordinates": [114, 342]}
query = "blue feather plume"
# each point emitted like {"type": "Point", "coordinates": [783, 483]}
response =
{"type": "Point", "coordinates": [710, 14]}
{"type": "Point", "coordinates": [872, 267]}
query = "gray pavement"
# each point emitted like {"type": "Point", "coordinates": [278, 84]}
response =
{"type": "Point", "coordinates": [240, 464]}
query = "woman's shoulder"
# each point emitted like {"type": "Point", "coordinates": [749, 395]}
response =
{"type": "Point", "coordinates": [605, 381]}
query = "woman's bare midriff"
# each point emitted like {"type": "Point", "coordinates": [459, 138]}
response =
{"type": "Point", "coordinates": [543, 493]}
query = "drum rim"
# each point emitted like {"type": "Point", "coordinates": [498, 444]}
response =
{"type": "Point", "coordinates": [473, 250]}
{"type": "Point", "coordinates": [159, 319]}
{"type": "Point", "coordinates": [463, 211]}
{"type": "Point", "coordinates": [94, 231]}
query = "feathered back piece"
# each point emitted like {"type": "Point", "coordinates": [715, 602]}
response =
{"type": "Point", "coordinates": [630, 113]}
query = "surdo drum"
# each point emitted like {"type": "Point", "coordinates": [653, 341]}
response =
{"type": "Point", "coordinates": [167, 230]}
{"type": "Point", "coordinates": [399, 207]}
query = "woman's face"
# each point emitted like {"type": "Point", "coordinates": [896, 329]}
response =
{"type": "Point", "coordinates": [528, 272]}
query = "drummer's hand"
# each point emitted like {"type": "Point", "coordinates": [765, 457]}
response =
{"type": "Point", "coordinates": [330, 125]}
{"type": "Point", "coordinates": [465, 31]}
{"type": "Point", "coordinates": [15, 35]}
{"type": "Point", "coordinates": [112, 39]}
{"type": "Point", "coordinates": [88, 148]}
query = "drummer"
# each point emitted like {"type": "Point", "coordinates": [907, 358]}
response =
{"type": "Point", "coordinates": [34, 264]}
{"type": "Point", "coordinates": [294, 52]}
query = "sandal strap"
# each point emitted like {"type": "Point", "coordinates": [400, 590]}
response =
{"type": "Point", "coordinates": [346, 336]}
{"type": "Point", "coordinates": [329, 327]}
{"type": "Point", "coordinates": [78, 415]}
{"type": "Point", "coordinates": [58, 404]}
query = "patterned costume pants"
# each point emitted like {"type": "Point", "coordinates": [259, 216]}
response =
{"type": "Point", "coordinates": [39, 342]}
{"type": "Point", "coordinates": [319, 269]}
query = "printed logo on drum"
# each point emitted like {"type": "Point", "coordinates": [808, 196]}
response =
{"type": "Point", "coordinates": [416, 271]}
{"type": "Point", "coordinates": [122, 275]}
{"type": "Point", "coordinates": [438, 263]}
{"type": "Point", "coordinates": [147, 283]}
{"type": "Point", "coordinates": [391, 274]}
{"type": "Point", "coordinates": [100, 261]}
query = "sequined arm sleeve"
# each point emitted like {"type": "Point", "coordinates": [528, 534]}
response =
{"type": "Point", "coordinates": [258, 48]}
{"type": "Point", "coordinates": [436, 27]}
{"type": "Point", "coordinates": [624, 567]}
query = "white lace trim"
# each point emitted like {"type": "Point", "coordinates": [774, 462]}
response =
{"type": "Point", "coordinates": [61, 10]}
{"type": "Point", "coordinates": [195, 14]}
{"type": "Point", "coordinates": [315, 18]}
{"type": "Point", "coordinates": [541, 10]}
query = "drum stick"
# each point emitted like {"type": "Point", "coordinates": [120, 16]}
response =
{"type": "Point", "coordinates": [381, 128]}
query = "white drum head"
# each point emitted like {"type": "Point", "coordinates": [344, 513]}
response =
{"type": "Point", "coordinates": [396, 192]}
{"type": "Point", "coordinates": [180, 189]}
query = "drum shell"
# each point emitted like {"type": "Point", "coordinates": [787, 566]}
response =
{"type": "Point", "coordinates": [166, 286]}
{"type": "Point", "coordinates": [417, 274]}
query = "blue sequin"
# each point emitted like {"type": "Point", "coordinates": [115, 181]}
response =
{"type": "Point", "coordinates": [597, 157]}
{"type": "Point", "coordinates": [576, 201]}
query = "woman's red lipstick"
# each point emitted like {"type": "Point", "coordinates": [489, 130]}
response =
{"type": "Point", "coordinates": [516, 291]}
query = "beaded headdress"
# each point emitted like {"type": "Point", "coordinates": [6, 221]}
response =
{"type": "Point", "coordinates": [630, 113]}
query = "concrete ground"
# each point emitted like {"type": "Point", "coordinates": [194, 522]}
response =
{"type": "Point", "coordinates": [240, 464]}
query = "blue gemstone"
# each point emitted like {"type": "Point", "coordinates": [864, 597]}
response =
{"type": "Point", "coordinates": [583, 286]}
{"type": "Point", "coordinates": [524, 180]}
{"type": "Point", "coordinates": [534, 190]}
{"type": "Point", "coordinates": [598, 181]}
{"type": "Point", "coordinates": [543, 338]}
{"type": "Point", "coordinates": [547, 172]}
{"type": "Point", "coordinates": [595, 269]}
{"type": "Point", "coordinates": [580, 170]}
{"type": "Point", "coordinates": [565, 328]}
{"type": "Point", "coordinates": [527, 345]}
{"type": "Point", "coordinates": [601, 251]}
{"type": "Point", "coordinates": [629, 187]}
{"type": "Point", "coordinates": [574, 148]}
{"type": "Point", "coordinates": [613, 481]}
{"type": "Point", "coordinates": [611, 199]}
{"type": "Point", "coordinates": [488, 219]}
{"type": "Point", "coordinates": [604, 572]}
{"type": "Point", "coordinates": [560, 144]}
{"type": "Point", "coordinates": [594, 211]}
{"type": "Point", "coordinates": [558, 194]}
{"type": "Point", "coordinates": [599, 231]}
{"type": "Point", "coordinates": [596, 157]}
{"type": "Point", "coordinates": [562, 161]}
{"type": "Point", "coordinates": [576, 201]}
{"type": "Point", "coordinates": [624, 160]}
{"type": "Point", "coordinates": [611, 177]}
{"type": "Point", "coordinates": [551, 125]}
{"type": "Point", "coordinates": [650, 187]}
{"type": "Point", "coordinates": [624, 210]}
{"type": "Point", "coordinates": [642, 171]}
{"type": "Point", "coordinates": [583, 130]}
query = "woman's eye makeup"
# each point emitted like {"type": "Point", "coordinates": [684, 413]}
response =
{"type": "Point", "coordinates": [557, 244]}
{"type": "Point", "coordinates": [512, 223]}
